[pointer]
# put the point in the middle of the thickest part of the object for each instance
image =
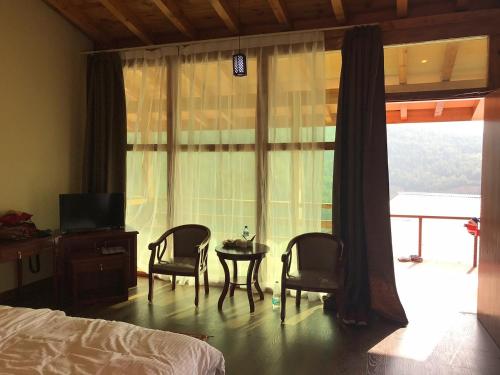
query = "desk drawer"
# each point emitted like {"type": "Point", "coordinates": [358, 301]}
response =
{"type": "Point", "coordinates": [13, 251]}
{"type": "Point", "coordinates": [104, 263]}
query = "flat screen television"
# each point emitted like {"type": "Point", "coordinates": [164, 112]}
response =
{"type": "Point", "coordinates": [87, 212]}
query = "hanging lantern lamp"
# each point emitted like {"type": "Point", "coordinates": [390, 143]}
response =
{"type": "Point", "coordinates": [239, 59]}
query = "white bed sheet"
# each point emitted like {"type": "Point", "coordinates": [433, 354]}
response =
{"type": "Point", "coordinates": [46, 341]}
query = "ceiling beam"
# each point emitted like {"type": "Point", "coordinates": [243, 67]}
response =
{"type": "Point", "coordinates": [175, 15]}
{"type": "Point", "coordinates": [403, 112]}
{"type": "Point", "coordinates": [414, 29]}
{"type": "Point", "coordinates": [479, 110]}
{"type": "Point", "coordinates": [450, 56]}
{"type": "Point", "coordinates": [402, 8]}
{"type": "Point", "coordinates": [79, 19]}
{"type": "Point", "coordinates": [438, 111]}
{"type": "Point", "coordinates": [227, 16]}
{"type": "Point", "coordinates": [427, 115]}
{"type": "Point", "coordinates": [280, 11]}
{"type": "Point", "coordinates": [338, 10]}
{"type": "Point", "coordinates": [126, 17]}
{"type": "Point", "coordinates": [403, 66]}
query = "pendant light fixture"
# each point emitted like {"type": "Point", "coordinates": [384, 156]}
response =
{"type": "Point", "coordinates": [239, 59]}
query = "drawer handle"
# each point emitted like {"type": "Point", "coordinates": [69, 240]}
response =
{"type": "Point", "coordinates": [100, 266]}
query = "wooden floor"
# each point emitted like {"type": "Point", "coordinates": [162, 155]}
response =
{"type": "Point", "coordinates": [451, 286]}
{"type": "Point", "coordinates": [311, 341]}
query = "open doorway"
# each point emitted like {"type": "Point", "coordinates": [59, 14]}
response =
{"type": "Point", "coordinates": [435, 154]}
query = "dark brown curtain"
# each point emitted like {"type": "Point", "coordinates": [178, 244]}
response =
{"type": "Point", "coordinates": [361, 181]}
{"type": "Point", "coordinates": [106, 133]}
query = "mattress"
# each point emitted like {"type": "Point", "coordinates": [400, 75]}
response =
{"type": "Point", "coordinates": [46, 341]}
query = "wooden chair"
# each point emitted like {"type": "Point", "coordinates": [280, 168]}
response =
{"type": "Point", "coordinates": [318, 260]}
{"type": "Point", "coordinates": [190, 248]}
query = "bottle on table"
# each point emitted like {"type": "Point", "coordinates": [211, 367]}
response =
{"type": "Point", "coordinates": [246, 232]}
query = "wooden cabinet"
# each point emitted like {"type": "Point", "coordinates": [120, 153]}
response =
{"type": "Point", "coordinates": [88, 276]}
{"type": "Point", "coordinates": [97, 278]}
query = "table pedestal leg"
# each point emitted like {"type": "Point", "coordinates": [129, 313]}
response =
{"type": "Point", "coordinates": [226, 282]}
{"type": "Point", "coordinates": [256, 279]}
{"type": "Point", "coordinates": [249, 285]}
{"type": "Point", "coordinates": [235, 278]}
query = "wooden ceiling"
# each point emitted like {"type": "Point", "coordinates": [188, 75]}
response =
{"type": "Point", "coordinates": [129, 23]}
{"type": "Point", "coordinates": [435, 111]}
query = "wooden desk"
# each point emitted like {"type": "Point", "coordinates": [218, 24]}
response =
{"type": "Point", "coordinates": [15, 251]}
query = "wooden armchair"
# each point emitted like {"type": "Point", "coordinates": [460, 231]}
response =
{"type": "Point", "coordinates": [190, 248]}
{"type": "Point", "coordinates": [318, 260]}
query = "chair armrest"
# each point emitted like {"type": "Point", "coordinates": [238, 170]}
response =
{"type": "Point", "coordinates": [154, 245]}
{"type": "Point", "coordinates": [285, 256]}
{"type": "Point", "coordinates": [204, 244]}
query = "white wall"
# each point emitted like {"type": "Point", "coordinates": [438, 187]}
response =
{"type": "Point", "coordinates": [42, 97]}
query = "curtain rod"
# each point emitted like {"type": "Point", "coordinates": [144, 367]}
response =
{"type": "Point", "coordinates": [152, 47]}
{"type": "Point", "coordinates": [189, 43]}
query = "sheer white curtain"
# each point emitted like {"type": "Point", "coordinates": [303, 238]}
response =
{"type": "Point", "coordinates": [145, 75]}
{"type": "Point", "coordinates": [243, 151]}
{"type": "Point", "coordinates": [215, 179]}
{"type": "Point", "coordinates": [296, 144]}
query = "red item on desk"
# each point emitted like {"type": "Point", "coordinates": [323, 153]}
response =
{"type": "Point", "coordinates": [16, 225]}
{"type": "Point", "coordinates": [15, 218]}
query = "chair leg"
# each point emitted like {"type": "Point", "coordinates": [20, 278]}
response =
{"type": "Point", "coordinates": [196, 287]}
{"type": "Point", "coordinates": [151, 284]}
{"type": "Point", "coordinates": [297, 298]}
{"type": "Point", "coordinates": [205, 281]}
{"type": "Point", "coordinates": [283, 302]}
{"type": "Point", "coordinates": [173, 282]}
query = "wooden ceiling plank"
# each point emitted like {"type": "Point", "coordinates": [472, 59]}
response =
{"type": "Point", "coordinates": [79, 19]}
{"type": "Point", "coordinates": [402, 8]}
{"type": "Point", "coordinates": [226, 14]}
{"type": "Point", "coordinates": [175, 15]}
{"type": "Point", "coordinates": [438, 111]}
{"type": "Point", "coordinates": [338, 10]}
{"type": "Point", "coordinates": [280, 11]}
{"type": "Point", "coordinates": [403, 66]}
{"type": "Point", "coordinates": [123, 15]}
{"type": "Point", "coordinates": [450, 56]}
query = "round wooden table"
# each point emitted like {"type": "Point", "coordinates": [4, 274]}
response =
{"type": "Point", "coordinates": [254, 255]}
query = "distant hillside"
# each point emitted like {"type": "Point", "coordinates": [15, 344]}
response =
{"type": "Point", "coordinates": [435, 158]}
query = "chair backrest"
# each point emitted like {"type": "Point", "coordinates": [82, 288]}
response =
{"type": "Point", "coordinates": [318, 251]}
{"type": "Point", "coordinates": [187, 238]}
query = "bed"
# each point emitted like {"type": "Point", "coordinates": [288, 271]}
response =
{"type": "Point", "coordinates": [47, 341]}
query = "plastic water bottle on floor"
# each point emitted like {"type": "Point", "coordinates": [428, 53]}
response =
{"type": "Point", "coordinates": [276, 300]}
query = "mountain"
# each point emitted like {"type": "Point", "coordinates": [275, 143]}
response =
{"type": "Point", "coordinates": [435, 157]}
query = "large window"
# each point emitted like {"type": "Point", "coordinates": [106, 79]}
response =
{"type": "Point", "coordinates": [227, 152]}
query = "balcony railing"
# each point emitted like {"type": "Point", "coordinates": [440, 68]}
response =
{"type": "Point", "coordinates": [327, 225]}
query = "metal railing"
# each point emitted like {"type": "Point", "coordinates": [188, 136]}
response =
{"type": "Point", "coordinates": [435, 217]}
{"type": "Point", "coordinates": [327, 224]}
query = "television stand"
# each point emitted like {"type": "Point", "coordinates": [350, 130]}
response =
{"type": "Point", "coordinates": [86, 275]}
